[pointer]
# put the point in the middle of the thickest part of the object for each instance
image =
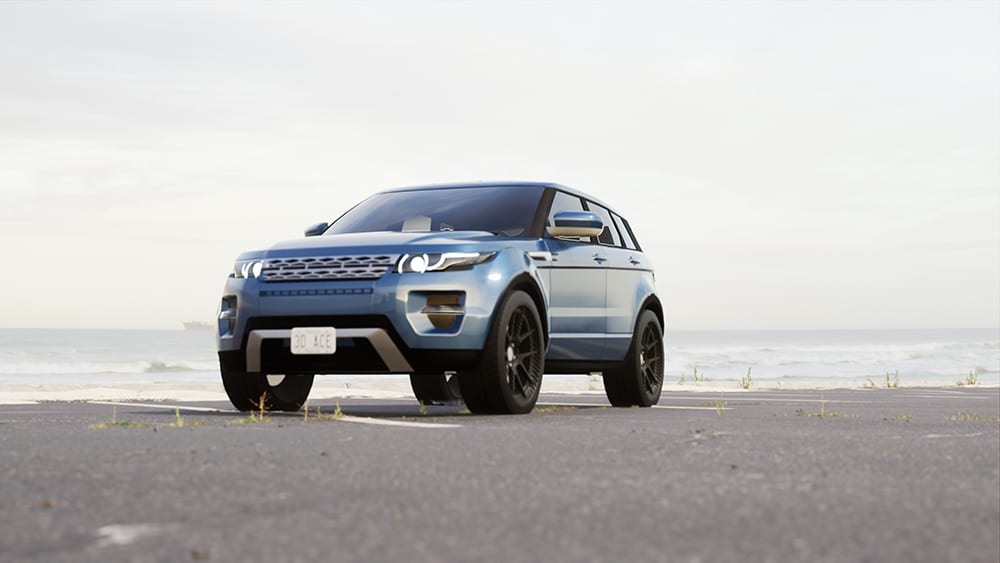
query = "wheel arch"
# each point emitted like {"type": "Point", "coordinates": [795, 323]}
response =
{"type": "Point", "coordinates": [528, 284]}
{"type": "Point", "coordinates": [653, 304]}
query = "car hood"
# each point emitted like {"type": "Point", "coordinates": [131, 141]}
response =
{"type": "Point", "coordinates": [381, 242]}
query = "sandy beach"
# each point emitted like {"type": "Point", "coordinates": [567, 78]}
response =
{"type": "Point", "coordinates": [85, 365]}
{"type": "Point", "coordinates": [375, 387]}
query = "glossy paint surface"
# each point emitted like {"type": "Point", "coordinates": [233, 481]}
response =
{"type": "Point", "coordinates": [591, 293]}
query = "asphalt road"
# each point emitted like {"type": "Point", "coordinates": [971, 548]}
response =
{"type": "Point", "coordinates": [883, 475]}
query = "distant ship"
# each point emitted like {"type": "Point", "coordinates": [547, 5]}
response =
{"type": "Point", "coordinates": [197, 325]}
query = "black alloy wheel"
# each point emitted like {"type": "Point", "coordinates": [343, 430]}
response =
{"type": "Point", "coordinates": [254, 391]}
{"type": "Point", "coordinates": [640, 381]}
{"type": "Point", "coordinates": [436, 388]}
{"type": "Point", "coordinates": [510, 372]}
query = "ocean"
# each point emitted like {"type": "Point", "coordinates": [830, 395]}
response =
{"type": "Point", "coordinates": [775, 358]}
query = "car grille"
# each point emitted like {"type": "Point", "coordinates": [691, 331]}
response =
{"type": "Point", "coordinates": [327, 268]}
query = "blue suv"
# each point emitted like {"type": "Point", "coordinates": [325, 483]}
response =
{"type": "Point", "coordinates": [475, 290]}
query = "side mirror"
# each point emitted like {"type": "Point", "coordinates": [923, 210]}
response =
{"type": "Point", "coordinates": [576, 224]}
{"type": "Point", "coordinates": [317, 229]}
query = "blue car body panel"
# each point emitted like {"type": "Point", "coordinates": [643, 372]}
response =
{"type": "Point", "coordinates": [589, 294]}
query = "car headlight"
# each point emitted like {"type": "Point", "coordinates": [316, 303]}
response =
{"type": "Point", "coordinates": [248, 269]}
{"type": "Point", "coordinates": [421, 263]}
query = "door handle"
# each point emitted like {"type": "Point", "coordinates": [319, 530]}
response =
{"type": "Point", "coordinates": [633, 261]}
{"type": "Point", "coordinates": [599, 259]}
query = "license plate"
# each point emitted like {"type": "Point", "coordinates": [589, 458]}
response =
{"type": "Point", "coordinates": [314, 340]}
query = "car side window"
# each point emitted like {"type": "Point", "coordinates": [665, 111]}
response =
{"type": "Point", "coordinates": [609, 237]}
{"type": "Point", "coordinates": [566, 202]}
{"type": "Point", "coordinates": [626, 237]}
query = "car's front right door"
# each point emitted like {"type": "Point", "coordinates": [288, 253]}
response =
{"type": "Point", "coordinates": [577, 287]}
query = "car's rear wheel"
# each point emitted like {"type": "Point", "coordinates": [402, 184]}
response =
{"type": "Point", "coordinates": [640, 381]}
{"type": "Point", "coordinates": [436, 388]}
{"type": "Point", "coordinates": [510, 371]}
{"type": "Point", "coordinates": [249, 391]}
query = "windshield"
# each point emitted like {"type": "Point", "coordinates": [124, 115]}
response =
{"type": "Point", "coordinates": [507, 211]}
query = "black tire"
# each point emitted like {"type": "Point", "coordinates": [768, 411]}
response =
{"type": "Point", "coordinates": [510, 371]}
{"type": "Point", "coordinates": [640, 381]}
{"type": "Point", "coordinates": [436, 388]}
{"type": "Point", "coordinates": [246, 390]}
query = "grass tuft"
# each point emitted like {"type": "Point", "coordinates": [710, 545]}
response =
{"type": "Point", "coordinates": [967, 417]}
{"type": "Point", "coordinates": [554, 408]}
{"type": "Point", "coordinates": [115, 423]}
{"type": "Point", "coordinates": [720, 406]}
{"type": "Point", "coordinates": [972, 379]}
{"type": "Point", "coordinates": [823, 413]}
{"type": "Point", "coordinates": [891, 381]}
{"type": "Point", "coordinates": [746, 381]}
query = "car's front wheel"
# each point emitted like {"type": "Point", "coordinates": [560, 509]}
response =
{"type": "Point", "coordinates": [253, 391]}
{"type": "Point", "coordinates": [510, 372]}
{"type": "Point", "coordinates": [640, 381]}
{"type": "Point", "coordinates": [436, 388]}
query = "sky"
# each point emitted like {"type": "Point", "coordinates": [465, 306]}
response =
{"type": "Point", "coordinates": [786, 165]}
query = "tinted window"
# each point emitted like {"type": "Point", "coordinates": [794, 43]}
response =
{"type": "Point", "coordinates": [626, 237]}
{"type": "Point", "coordinates": [610, 235]}
{"type": "Point", "coordinates": [565, 202]}
{"type": "Point", "coordinates": [631, 234]}
{"type": "Point", "coordinates": [505, 211]}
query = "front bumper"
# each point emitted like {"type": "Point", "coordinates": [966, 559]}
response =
{"type": "Point", "coordinates": [399, 316]}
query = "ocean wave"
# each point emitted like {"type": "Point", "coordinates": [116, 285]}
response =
{"type": "Point", "coordinates": [33, 368]}
{"type": "Point", "coordinates": [163, 367]}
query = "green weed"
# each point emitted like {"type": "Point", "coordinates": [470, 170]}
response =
{"type": "Point", "coordinates": [823, 413]}
{"type": "Point", "coordinates": [967, 417]}
{"type": "Point", "coordinates": [972, 379]}
{"type": "Point", "coordinates": [115, 423]}
{"type": "Point", "coordinates": [256, 417]}
{"type": "Point", "coordinates": [554, 408]}
{"type": "Point", "coordinates": [891, 382]}
{"type": "Point", "coordinates": [747, 381]}
{"type": "Point", "coordinates": [720, 406]}
{"type": "Point", "coordinates": [592, 384]}
{"type": "Point", "coordinates": [318, 415]}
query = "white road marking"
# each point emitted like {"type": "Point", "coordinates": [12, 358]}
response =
{"type": "Point", "coordinates": [159, 406]}
{"type": "Point", "coordinates": [973, 435]}
{"type": "Point", "coordinates": [124, 534]}
{"type": "Point", "coordinates": [404, 423]}
{"type": "Point", "coordinates": [689, 408]}
{"type": "Point", "coordinates": [345, 418]}
{"type": "Point", "coordinates": [943, 396]}
{"type": "Point", "coordinates": [548, 404]}
{"type": "Point", "coordinates": [752, 399]}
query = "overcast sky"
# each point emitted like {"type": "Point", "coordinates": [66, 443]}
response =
{"type": "Point", "coordinates": [786, 165]}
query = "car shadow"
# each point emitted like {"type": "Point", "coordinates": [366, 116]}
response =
{"type": "Point", "coordinates": [329, 409]}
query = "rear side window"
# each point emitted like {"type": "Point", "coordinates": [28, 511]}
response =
{"type": "Point", "coordinates": [565, 202]}
{"type": "Point", "coordinates": [631, 234]}
{"type": "Point", "coordinates": [624, 232]}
